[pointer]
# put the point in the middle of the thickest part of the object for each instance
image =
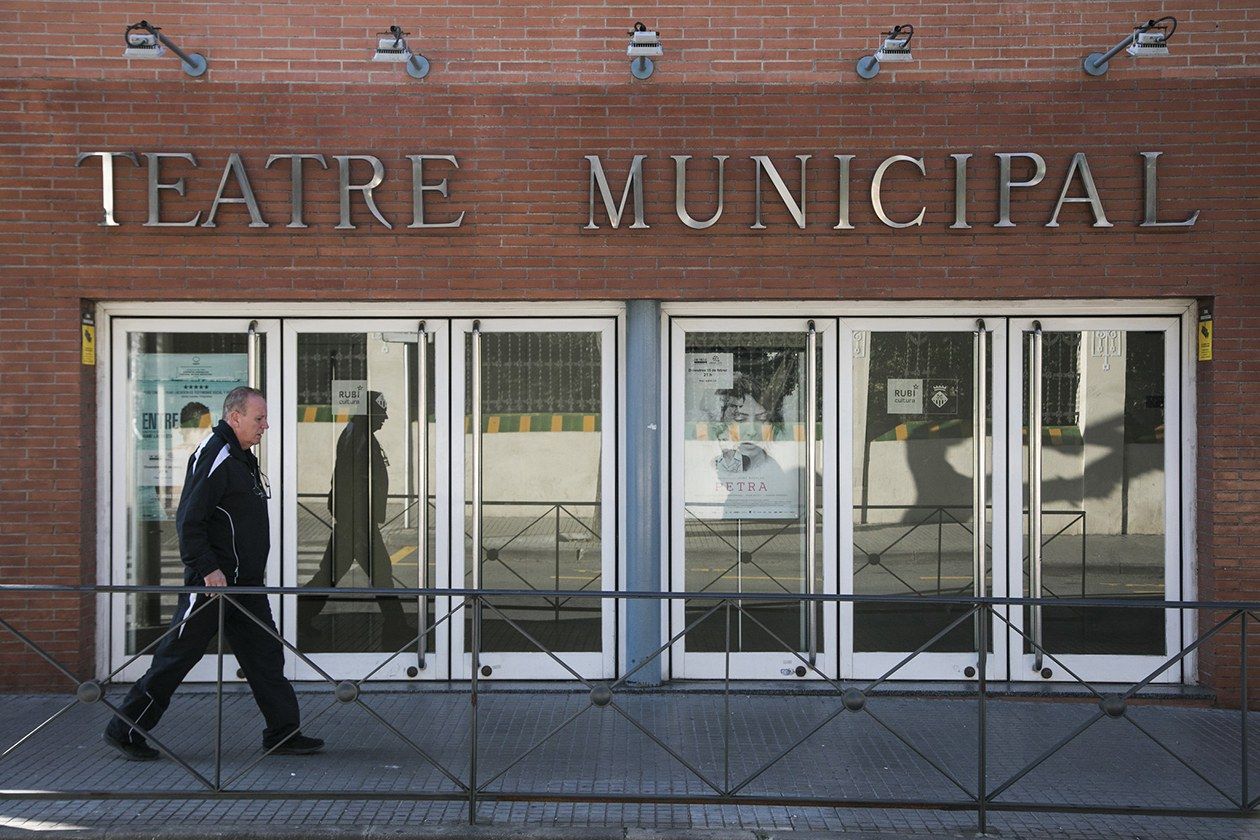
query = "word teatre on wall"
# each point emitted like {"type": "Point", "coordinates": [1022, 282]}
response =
{"type": "Point", "coordinates": [606, 210]}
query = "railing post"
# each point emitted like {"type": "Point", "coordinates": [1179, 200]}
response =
{"type": "Point", "coordinates": [1242, 671]}
{"type": "Point", "coordinates": [472, 722]}
{"type": "Point", "coordinates": [218, 716]}
{"type": "Point", "coordinates": [726, 710]}
{"type": "Point", "coordinates": [982, 743]}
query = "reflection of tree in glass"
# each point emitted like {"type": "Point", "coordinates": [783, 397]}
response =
{"type": "Point", "coordinates": [759, 397]}
{"type": "Point", "coordinates": [949, 355]}
{"type": "Point", "coordinates": [924, 356]}
{"type": "Point", "coordinates": [916, 355]}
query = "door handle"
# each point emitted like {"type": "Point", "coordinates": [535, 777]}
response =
{"type": "Point", "coordinates": [811, 516]}
{"type": "Point", "coordinates": [1035, 411]}
{"type": "Point", "coordinates": [422, 485]}
{"type": "Point", "coordinates": [252, 355]}
{"type": "Point", "coordinates": [979, 437]}
{"type": "Point", "coordinates": [475, 365]}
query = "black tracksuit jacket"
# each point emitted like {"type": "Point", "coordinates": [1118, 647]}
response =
{"type": "Point", "coordinates": [222, 517]}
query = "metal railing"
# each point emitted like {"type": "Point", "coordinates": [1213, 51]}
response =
{"type": "Point", "coordinates": [936, 517]}
{"type": "Point", "coordinates": [982, 793]}
{"type": "Point", "coordinates": [554, 515]}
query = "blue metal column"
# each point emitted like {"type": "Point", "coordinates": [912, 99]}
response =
{"type": "Point", "coordinates": [644, 473]}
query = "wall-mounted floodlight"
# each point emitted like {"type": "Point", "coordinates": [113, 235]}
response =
{"type": "Point", "coordinates": [395, 49]}
{"type": "Point", "coordinates": [896, 47]}
{"type": "Point", "coordinates": [1147, 39]}
{"type": "Point", "coordinates": [645, 45]}
{"type": "Point", "coordinates": [147, 41]}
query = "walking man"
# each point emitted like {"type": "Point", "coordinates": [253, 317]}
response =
{"type": "Point", "coordinates": [358, 501]}
{"type": "Point", "coordinates": [224, 538]}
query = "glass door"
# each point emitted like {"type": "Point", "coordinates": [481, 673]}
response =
{"type": "Point", "coordinates": [536, 506]}
{"type": "Point", "coordinates": [920, 493]}
{"type": "Point", "coordinates": [365, 431]}
{"type": "Point", "coordinates": [168, 380]}
{"type": "Point", "coordinates": [1096, 422]}
{"type": "Point", "coordinates": [752, 493]}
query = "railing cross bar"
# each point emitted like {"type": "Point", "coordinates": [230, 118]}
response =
{"type": "Point", "coordinates": [1232, 801]}
{"type": "Point", "coordinates": [481, 786]}
{"type": "Point", "coordinates": [1185, 651]}
{"type": "Point", "coordinates": [612, 704]}
{"type": "Point", "coordinates": [919, 753]}
{"type": "Point", "coordinates": [1000, 789]}
{"type": "Point", "coordinates": [405, 648]}
{"type": "Point", "coordinates": [546, 650]}
{"type": "Point", "coordinates": [55, 715]}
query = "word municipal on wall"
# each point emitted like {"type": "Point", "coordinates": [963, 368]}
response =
{"type": "Point", "coordinates": [1078, 170]}
{"type": "Point", "coordinates": [1079, 180]}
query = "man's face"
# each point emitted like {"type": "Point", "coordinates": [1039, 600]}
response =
{"type": "Point", "coordinates": [378, 412]}
{"type": "Point", "coordinates": [250, 423]}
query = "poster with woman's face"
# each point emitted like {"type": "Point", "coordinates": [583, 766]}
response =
{"type": "Point", "coordinates": [745, 432]}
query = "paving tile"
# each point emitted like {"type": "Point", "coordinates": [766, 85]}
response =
{"type": "Point", "coordinates": [772, 746]}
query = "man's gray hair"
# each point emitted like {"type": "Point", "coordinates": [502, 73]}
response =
{"type": "Point", "coordinates": [238, 398]}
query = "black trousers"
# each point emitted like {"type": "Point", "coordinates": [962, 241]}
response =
{"type": "Point", "coordinates": [261, 657]}
{"type": "Point", "coordinates": [363, 545]}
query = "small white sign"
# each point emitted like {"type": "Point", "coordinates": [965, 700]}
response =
{"type": "Point", "coordinates": [905, 396]}
{"type": "Point", "coordinates": [349, 396]}
{"type": "Point", "coordinates": [716, 370]}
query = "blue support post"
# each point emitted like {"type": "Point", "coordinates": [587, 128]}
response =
{"type": "Point", "coordinates": [644, 472]}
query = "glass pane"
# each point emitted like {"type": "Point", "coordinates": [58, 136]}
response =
{"type": "Point", "coordinates": [913, 473]}
{"type": "Point", "coordinates": [176, 383]}
{"type": "Point", "coordinates": [357, 435]}
{"type": "Point", "coordinates": [1102, 435]}
{"type": "Point", "coordinates": [744, 438]}
{"type": "Point", "coordinates": [541, 463]}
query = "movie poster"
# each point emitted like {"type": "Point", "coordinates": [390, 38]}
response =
{"type": "Point", "coordinates": [176, 399]}
{"type": "Point", "coordinates": [744, 440]}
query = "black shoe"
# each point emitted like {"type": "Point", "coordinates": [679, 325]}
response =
{"type": "Point", "coordinates": [299, 744]}
{"type": "Point", "coordinates": [132, 750]}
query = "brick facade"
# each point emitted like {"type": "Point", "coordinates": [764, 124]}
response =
{"type": "Point", "coordinates": [520, 94]}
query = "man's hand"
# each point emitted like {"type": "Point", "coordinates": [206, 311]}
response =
{"type": "Point", "coordinates": [216, 578]}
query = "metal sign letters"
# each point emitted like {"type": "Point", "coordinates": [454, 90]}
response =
{"type": "Point", "coordinates": [1015, 171]}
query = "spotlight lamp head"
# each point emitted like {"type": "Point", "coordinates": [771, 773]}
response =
{"type": "Point", "coordinates": [894, 47]}
{"type": "Point", "coordinates": [144, 40]}
{"type": "Point", "coordinates": [394, 49]}
{"type": "Point", "coordinates": [644, 46]}
{"type": "Point", "coordinates": [1146, 39]}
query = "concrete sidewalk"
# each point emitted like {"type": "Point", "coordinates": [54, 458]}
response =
{"type": "Point", "coordinates": [897, 749]}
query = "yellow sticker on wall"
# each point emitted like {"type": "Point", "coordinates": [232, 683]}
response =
{"type": "Point", "coordinates": [88, 346]}
{"type": "Point", "coordinates": [1205, 341]}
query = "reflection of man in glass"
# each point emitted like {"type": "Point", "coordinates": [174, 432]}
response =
{"type": "Point", "coordinates": [357, 500]}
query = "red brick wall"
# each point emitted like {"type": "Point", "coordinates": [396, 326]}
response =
{"type": "Point", "coordinates": [749, 41]}
{"type": "Point", "coordinates": [990, 79]}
